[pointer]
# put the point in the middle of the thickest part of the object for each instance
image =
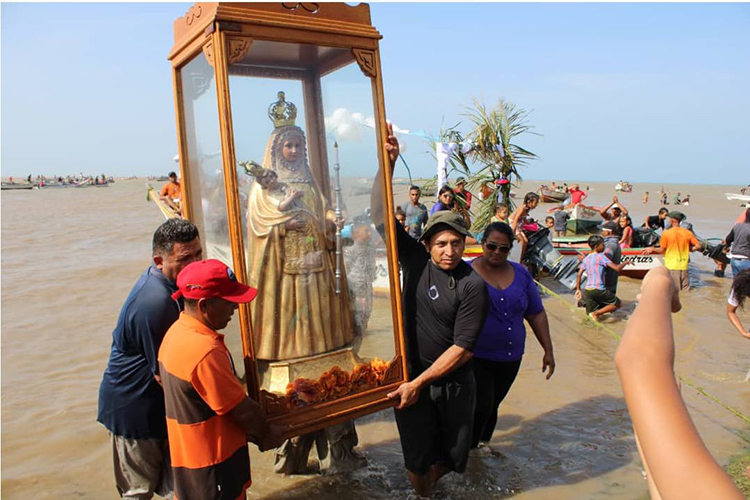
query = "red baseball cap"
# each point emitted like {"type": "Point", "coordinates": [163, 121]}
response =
{"type": "Point", "coordinates": [208, 279]}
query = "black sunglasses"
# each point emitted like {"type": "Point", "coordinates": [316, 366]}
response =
{"type": "Point", "coordinates": [493, 247]}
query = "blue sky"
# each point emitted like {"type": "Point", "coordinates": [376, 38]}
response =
{"type": "Point", "coordinates": [647, 92]}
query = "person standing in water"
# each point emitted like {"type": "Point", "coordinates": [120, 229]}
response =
{"type": "Point", "coordinates": [500, 346]}
{"type": "Point", "coordinates": [131, 399]}
{"type": "Point", "coordinates": [445, 303]}
{"type": "Point", "coordinates": [676, 243]}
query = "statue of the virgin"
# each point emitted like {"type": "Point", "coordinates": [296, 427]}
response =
{"type": "Point", "coordinates": [291, 252]}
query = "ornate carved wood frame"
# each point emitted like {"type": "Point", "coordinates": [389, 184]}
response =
{"type": "Point", "coordinates": [225, 32]}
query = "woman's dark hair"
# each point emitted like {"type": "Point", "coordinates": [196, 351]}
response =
{"type": "Point", "coordinates": [171, 232]}
{"type": "Point", "coordinates": [445, 189]}
{"type": "Point", "coordinates": [627, 218]}
{"type": "Point", "coordinates": [663, 210]}
{"type": "Point", "coordinates": [741, 287]}
{"type": "Point", "coordinates": [529, 197]}
{"type": "Point", "coordinates": [498, 227]}
{"type": "Point", "coordinates": [400, 211]}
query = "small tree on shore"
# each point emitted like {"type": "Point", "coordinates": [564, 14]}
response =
{"type": "Point", "coordinates": [494, 148]}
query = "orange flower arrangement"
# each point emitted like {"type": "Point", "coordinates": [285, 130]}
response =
{"type": "Point", "coordinates": [335, 383]}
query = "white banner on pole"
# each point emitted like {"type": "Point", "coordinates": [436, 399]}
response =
{"type": "Point", "coordinates": [443, 151]}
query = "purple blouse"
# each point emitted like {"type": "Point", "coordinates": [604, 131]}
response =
{"type": "Point", "coordinates": [503, 335]}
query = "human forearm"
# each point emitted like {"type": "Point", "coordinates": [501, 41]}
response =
{"type": "Point", "coordinates": [671, 444]}
{"type": "Point", "coordinates": [249, 415]}
{"type": "Point", "coordinates": [449, 361]}
{"type": "Point", "coordinates": [376, 197]}
{"type": "Point", "coordinates": [540, 326]}
{"type": "Point", "coordinates": [735, 320]}
{"type": "Point", "coordinates": [408, 393]}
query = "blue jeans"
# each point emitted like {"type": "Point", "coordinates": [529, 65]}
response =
{"type": "Point", "coordinates": [739, 265]}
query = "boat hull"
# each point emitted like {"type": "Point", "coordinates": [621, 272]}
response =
{"type": "Point", "coordinates": [551, 196]}
{"type": "Point", "coordinates": [641, 264]}
{"type": "Point", "coordinates": [584, 220]}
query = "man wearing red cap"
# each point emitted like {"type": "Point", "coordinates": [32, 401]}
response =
{"type": "Point", "coordinates": [209, 416]}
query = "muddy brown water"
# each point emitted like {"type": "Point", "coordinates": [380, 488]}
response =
{"type": "Point", "coordinates": [70, 257]}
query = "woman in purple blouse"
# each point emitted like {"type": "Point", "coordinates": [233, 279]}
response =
{"type": "Point", "coordinates": [499, 349]}
{"type": "Point", "coordinates": [445, 200]}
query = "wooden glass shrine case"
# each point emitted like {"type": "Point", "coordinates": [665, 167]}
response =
{"type": "Point", "coordinates": [281, 125]}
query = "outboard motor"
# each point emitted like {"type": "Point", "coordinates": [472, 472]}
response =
{"type": "Point", "coordinates": [713, 251]}
{"type": "Point", "coordinates": [644, 237]}
{"type": "Point", "coordinates": [540, 254]}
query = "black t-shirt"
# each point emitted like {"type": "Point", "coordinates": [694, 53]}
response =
{"type": "Point", "coordinates": [441, 308]}
{"type": "Point", "coordinates": [654, 222]}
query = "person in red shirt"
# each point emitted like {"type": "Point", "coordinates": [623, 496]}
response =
{"type": "Point", "coordinates": [461, 192]}
{"type": "Point", "coordinates": [577, 195]}
{"type": "Point", "coordinates": [209, 416]}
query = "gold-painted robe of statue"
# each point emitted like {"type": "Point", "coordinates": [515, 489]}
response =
{"type": "Point", "coordinates": [297, 312]}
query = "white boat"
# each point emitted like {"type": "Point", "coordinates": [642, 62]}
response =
{"type": "Point", "coordinates": [739, 197]}
{"type": "Point", "coordinates": [625, 187]}
{"type": "Point", "coordinates": [583, 220]}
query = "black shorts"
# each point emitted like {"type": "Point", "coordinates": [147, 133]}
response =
{"type": "Point", "coordinates": [437, 428]}
{"type": "Point", "coordinates": [596, 299]}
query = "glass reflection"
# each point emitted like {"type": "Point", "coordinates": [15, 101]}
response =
{"type": "Point", "coordinates": [207, 191]}
{"type": "Point", "coordinates": [322, 325]}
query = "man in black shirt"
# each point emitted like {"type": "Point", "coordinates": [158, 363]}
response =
{"type": "Point", "coordinates": [656, 221]}
{"type": "Point", "coordinates": [444, 305]}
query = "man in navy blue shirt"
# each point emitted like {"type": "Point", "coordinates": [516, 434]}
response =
{"type": "Point", "coordinates": [131, 400]}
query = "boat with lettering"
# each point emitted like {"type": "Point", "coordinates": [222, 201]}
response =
{"type": "Point", "coordinates": [584, 220]}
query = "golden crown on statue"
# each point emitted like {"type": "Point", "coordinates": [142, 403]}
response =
{"type": "Point", "coordinates": [282, 113]}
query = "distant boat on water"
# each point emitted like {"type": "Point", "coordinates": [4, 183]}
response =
{"type": "Point", "coordinates": [12, 186]}
{"type": "Point", "coordinates": [739, 197]}
{"type": "Point", "coordinates": [552, 196]}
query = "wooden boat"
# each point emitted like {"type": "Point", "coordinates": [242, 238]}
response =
{"type": "Point", "coordinates": [165, 210]}
{"type": "Point", "coordinates": [551, 196]}
{"type": "Point", "coordinates": [584, 220]}
{"type": "Point", "coordinates": [12, 186]}
{"type": "Point", "coordinates": [641, 264]}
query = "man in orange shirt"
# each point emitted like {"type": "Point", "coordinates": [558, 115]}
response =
{"type": "Point", "coordinates": [171, 191]}
{"type": "Point", "coordinates": [209, 416]}
{"type": "Point", "coordinates": [676, 243]}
